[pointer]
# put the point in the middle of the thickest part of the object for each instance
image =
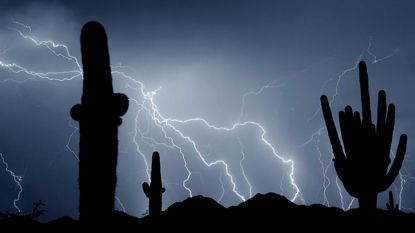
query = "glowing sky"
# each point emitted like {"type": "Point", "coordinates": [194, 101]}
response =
{"type": "Point", "coordinates": [234, 85]}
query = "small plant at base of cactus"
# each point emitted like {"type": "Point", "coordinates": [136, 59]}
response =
{"type": "Point", "coordinates": [391, 205]}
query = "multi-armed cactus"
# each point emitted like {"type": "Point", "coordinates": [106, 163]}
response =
{"type": "Point", "coordinates": [391, 205]}
{"type": "Point", "coordinates": [99, 117]}
{"type": "Point", "coordinates": [363, 165]}
{"type": "Point", "coordinates": [154, 191]}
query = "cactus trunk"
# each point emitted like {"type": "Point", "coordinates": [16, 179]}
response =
{"type": "Point", "coordinates": [368, 202]}
{"type": "Point", "coordinates": [99, 117]}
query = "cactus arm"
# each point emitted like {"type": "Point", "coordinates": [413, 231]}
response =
{"type": "Point", "coordinates": [397, 163]}
{"type": "Point", "coordinates": [332, 131]}
{"type": "Point", "coordinates": [146, 189]}
{"type": "Point", "coordinates": [364, 92]}
{"type": "Point", "coordinates": [347, 128]}
{"type": "Point", "coordinates": [119, 104]}
{"type": "Point", "coordinates": [390, 124]}
{"type": "Point", "coordinates": [380, 126]}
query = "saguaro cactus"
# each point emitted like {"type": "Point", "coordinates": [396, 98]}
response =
{"type": "Point", "coordinates": [154, 191]}
{"type": "Point", "coordinates": [363, 166]}
{"type": "Point", "coordinates": [99, 117]}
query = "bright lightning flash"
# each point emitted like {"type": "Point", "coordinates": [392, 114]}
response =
{"type": "Point", "coordinates": [174, 138]}
{"type": "Point", "coordinates": [146, 105]}
{"type": "Point", "coordinates": [17, 180]}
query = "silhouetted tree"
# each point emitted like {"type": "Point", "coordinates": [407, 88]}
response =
{"type": "Point", "coordinates": [99, 117]}
{"type": "Point", "coordinates": [154, 191]}
{"type": "Point", "coordinates": [37, 209]}
{"type": "Point", "coordinates": [363, 166]}
{"type": "Point", "coordinates": [391, 205]}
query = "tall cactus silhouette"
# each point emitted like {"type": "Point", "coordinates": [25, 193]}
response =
{"type": "Point", "coordinates": [99, 117]}
{"type": "Point", "coordinates": [363, 165]}
{"type": "Point", "coordinates": [154, 191]}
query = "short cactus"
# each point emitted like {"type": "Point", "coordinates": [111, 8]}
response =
{"type": "Point", "coordinates": [391, 205]}
{"type": "Point", "coordinates": [154, 191]}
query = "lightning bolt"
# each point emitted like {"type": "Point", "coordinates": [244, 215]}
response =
{"type": "Point", "coordinates": [17, 180]}
{"type": "Point", "coordinates": [175, 139]}
{"type": "Point", "coordinates": [375, 59]}
{"type": "Point", "coordinates": [340, 193]}
{"type": "Point", "coordinates": [236, 125]}
{"type": "Point", "coordinates": [222, 188]}
{"type": "Point", "coordinates": [242, 167]}
{"type": "Point", "coordinates": [52, 47]}
{"type": "Point", "coordinates": [146, 106]}
{"type": "Point", "coordinates": [75, 129]}
{"type": "Point", "coordinates": [120, 203]}
{"type": "Point", "coordinates": [404, 177]}
{"type": "Point", "coordinates": [256, 93]}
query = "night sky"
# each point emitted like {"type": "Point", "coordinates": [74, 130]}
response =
{"type": "Point", "coordinates": [227, 91]}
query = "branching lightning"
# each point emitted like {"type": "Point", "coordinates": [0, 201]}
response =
{"type": "Point", "coordinates": [146, 105]}
{"type": "Point", "coordinates": [235, 126]}
{"type": "Point", "coordinates": [175, 139]}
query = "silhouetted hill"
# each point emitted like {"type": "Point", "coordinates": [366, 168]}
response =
{"type": "Point", "coordinates": [197, 205]}
{"type": "Point", "coordinates": [63, 222]}
{"type": "Point", "coordinates": [197, 210]}
{"type": "Point", "coordinates": [263, 211]}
